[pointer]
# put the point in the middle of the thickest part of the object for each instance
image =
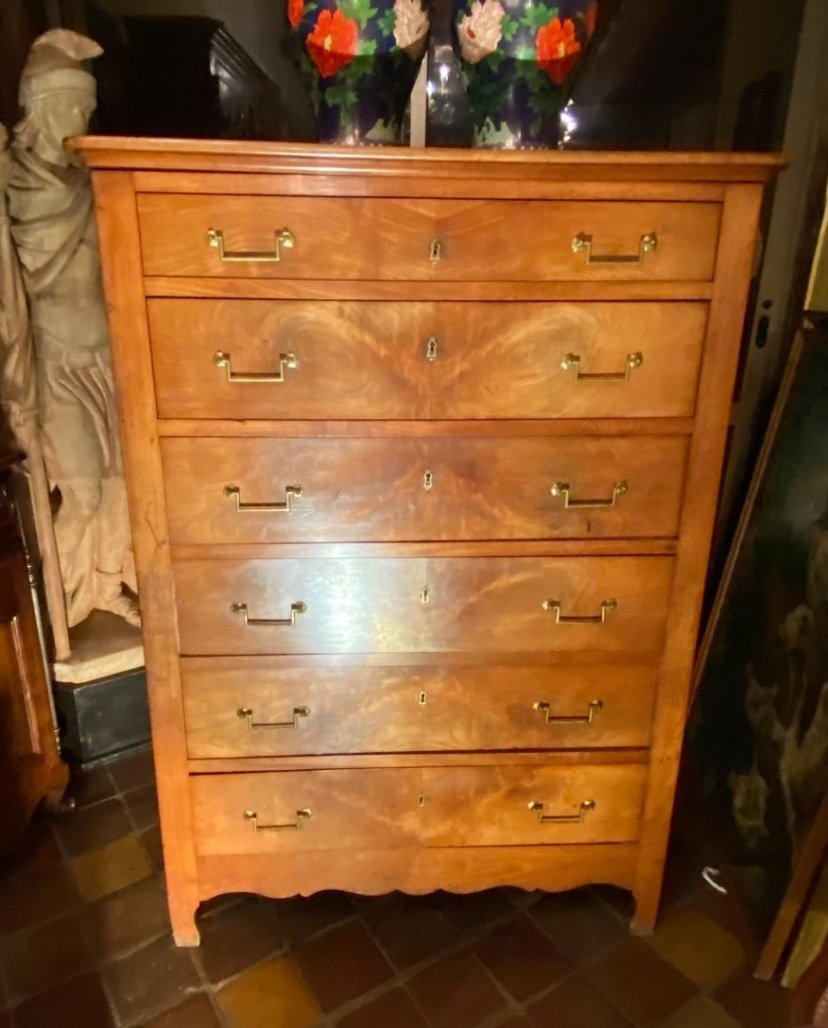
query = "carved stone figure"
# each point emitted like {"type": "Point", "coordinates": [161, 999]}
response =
{"type": "Point", "coordinates": [53, 225]}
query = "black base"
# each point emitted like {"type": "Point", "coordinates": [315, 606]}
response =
{"type": "Point", "coordinates": [103, 717]}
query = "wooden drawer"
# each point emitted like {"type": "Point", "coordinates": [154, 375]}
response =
{"type": "Point", "coordinates": [246, 708]}
{"type": "Point", "coordinates": [411, 605]}
{"type": "Point", "coordinates": [371, 360]}
{"type": "Point", "coordinates": [313, 490]}
{"type": "Point", "coordinates": [296, 811]}
{"type": "Point", "coordinates": [425, 239]}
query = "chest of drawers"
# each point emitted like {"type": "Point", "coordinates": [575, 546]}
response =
{"type": "Point", "coordinates": [423, 451]}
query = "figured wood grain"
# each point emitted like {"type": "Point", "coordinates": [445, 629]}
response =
{"type": "Point", "coordinates": [409, 489]}
{"type": "Point", "coordinates": [404, 807]}
{"type": "Point", "coordinates": [370, 360]}
{"type": "Point", "coordinates": [118, 225]}
{"type": "Point", "coordinates": [356, 238]}
{"type": "Point", "coordinates": [362, 606]}
{"type": "Point", "coordinates": [398, 709]}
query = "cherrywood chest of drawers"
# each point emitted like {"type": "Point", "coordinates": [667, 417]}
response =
{"type": "Point", "coordinates": [423, 451]}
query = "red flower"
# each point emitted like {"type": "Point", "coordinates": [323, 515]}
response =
{"type": "Point", "coordinates": [295, 8]}
{"type": "Point", "coordinates": [557, 48]}
{"type": "Point", "coordinates": [333, 43]}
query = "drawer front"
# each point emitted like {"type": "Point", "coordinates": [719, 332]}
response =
{"type": "Point", "coordinates": [252, 711]}
{"type": "Point", "coordinates": [314, 490]}
{"type": "Point", "coordinates": [367, 360]}
{"type": "Point", "coordinates": [417, 605]}
{"type": "Point", "coordinates": [296, 811]}
{"type": "Point", "coordinates": [426, 239]}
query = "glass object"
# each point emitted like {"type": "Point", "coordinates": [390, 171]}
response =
{"type": "Point", "coordinates": [448, 113]}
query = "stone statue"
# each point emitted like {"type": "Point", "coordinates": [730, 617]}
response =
{"type": "Point", "coordinates": [54, 229]}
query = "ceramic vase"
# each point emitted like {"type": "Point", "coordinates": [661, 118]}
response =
{"type": "Point", "coordinates": [519, 57]}
{"type": "Point", "coordinates": [360, 59]}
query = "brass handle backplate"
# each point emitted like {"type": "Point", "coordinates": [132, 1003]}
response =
{"type": "Point", "coordinates": [283, 238]}
{"type": "Point", "coordinates": [289, 622]}
{"type": "Point", "coordinates": [564, 489]}
{"type": "Point", "coordinates": [291, 492]}
{"type": "Point", "coordinates": [221, 359]}
{"type": "Point", "coordinates": [544, 707]}
{"type": "Point", "coordinates": [582, 243]}
{"type": "Point", "coordinates": [301, 816]}
{"type": "Point", "coordinates": [246, 714]}
{"type": "Point", "coordinates": [562, 819]}
{"type": "Point", "coordinates": [554, 606]}
{"type": "Point", "coordinates": [573, 360]}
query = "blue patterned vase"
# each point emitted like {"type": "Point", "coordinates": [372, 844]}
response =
{"type": "Point", "coordinates": [360, 59]}
{"type": "Point", "coordinates": [519, 57]}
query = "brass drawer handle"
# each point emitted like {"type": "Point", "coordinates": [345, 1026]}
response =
{"type": "Point", "coordinates": [291, 492]}
{"type": "Point", "coordinates": [573, 360]}
{"type": "Point", "coordinates": [543, 707]}
{"type": "Point", "coordinates": [607, 608]}
{"type": "Point", "coordinates": [582, 243]}
{"type": "Point", "coordinates": [563, 489]}
{"type": "Point", "coordinates": [563, 819]}
{"type": "Point", "coordinates": [290, 622]}
{"type": "Point", "coordinates": [286, 360]}
{"type": "Point", "coordinates": [281, 238]}
{"type": "Point", "coordinates": [246, 714]}
{"type": "Point", "coordinates": [301, 817]}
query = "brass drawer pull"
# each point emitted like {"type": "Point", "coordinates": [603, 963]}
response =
{"type": "Point", "coordinates": [582, 243]}
{"type": "Point", "coordinates": [301, 817]}
{"type": "Point", "coordinates": [543, 707]}
{"type": "Point", "coordinates": [246, 714]}
{"type": "Point", "coordinates": [573, 360]}
{"type": "Point", "coordinates": [563, 819]}
{"type": "Point", "coordinates": [563, 489]}
{"type": "Point", "coordinates": [607, 608]}
{"type": "Point", "coordinates": [290, 622]}
{"type": "Point", "coordinates": [286, 360]}
{"type": "Point", "coordinates": [291, 492]}
{"type": "Point", "coordinates": [281, 238]}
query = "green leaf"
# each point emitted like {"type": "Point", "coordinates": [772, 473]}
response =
{"type": "Point", "coordinates": [386, 21]}
{"type": "Point", "coordinates": [360, 11]}
{"type": "Point", "coordinates": [538, 15]}
{"type": "Point", "coordinates": [525, 54]}
{"type": "Point", "coordinates": [509, 26]}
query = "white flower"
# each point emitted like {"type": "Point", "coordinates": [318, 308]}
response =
{"type": "Point", "coordinates": [410, 27]}
{"type": "Point", "coordinates": [479, 32]}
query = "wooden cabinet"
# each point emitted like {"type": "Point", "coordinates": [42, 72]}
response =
{"type": "Point", "coordinates": [423, 451]}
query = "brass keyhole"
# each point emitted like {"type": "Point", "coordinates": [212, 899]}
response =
{"type": "Point", "coordinates": [435, 252]}
{"type": "Point", "coordinates": [431, 348]}
{"type": "Point", "coordinates": [425, 597]}
{"type": "Point", "coordinates": [428, 481]}
{"type": "Point", "coordinates": [422, 699]}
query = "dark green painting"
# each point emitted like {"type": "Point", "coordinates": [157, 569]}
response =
{"type": "Point", "coordinates": [759, 733]}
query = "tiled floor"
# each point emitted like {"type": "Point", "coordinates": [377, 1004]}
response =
{"type": "Point", "coordinates": [84, 943]}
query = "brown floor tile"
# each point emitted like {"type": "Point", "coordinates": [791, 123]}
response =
{"type": "Point", "coordinates": [342, 964]}
{"type": "Point", "coordinates": [142, 805]}
{"type": "Point", "coordinates": [474, 910]}
{"type": "Point", "coordinates": [93, 826]}
{"type": "Point", "coordinates": [127, 919]}
{"type": "Point", "coordinates": [754, 1003]}
{"type": "Point", "coordinates": [151, 841]}
{"type": "Point", "coordinates": [271, 995]}
{"type": "Point", "coordinates": [5, 1019]}
{"type": "Point", "coordinates": [580, 924]}
{"type": "Point", "coordinates": [109, 868]}
{"type": "Point", "coordinates": [197, 1012]}
{"type": "Point", "coordinates": [522, 958]}
{"type": "Point", "coordinates": [576, 1003]}
{"type": "Point", "coordinates": [619, 900]}
{"type": "Point", "coordinates": [80, 1003]}
{"type": "Point", "coordinates": [456, 992]}
{"type": "Point", "coordinates": [304, 916]}
{"type": "Point", "coordinates": [702, 950]}
{"type": "Point", "coordinates": [151, 979]}
{"type": "Point", "coordinates": [38, 851]}
{"type": "Point", "coordinates": [516, 1022]}
{"type": "Point", "coordinates": [35, 959]}
{"type": "Point", "coordinates": [134, 770]}
{"type": "Point", "coordinates": [642, 985]}
{"type": "Point", "coordinates": [733, 916]}
{"type": "Point", "coordinates": [394, 1008]}
{"type": "Point", "coordinates": [91, 785]}
{"type": "Point", "coordinates": [702, 1012]}
{"type": "Point", "coordinates": [35, 895]}
{"type": "Point", "coordinates": [409, 929]}
{"type": "Point", "coordinates": [234, 938]}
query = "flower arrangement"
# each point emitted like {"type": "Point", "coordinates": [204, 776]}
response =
{"type": "Point", "coordinates": [360, 58]}
{"type": "Point", "coordinates": [518, 56]}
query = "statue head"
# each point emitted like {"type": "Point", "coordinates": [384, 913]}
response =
{"type": "Point", "coordinates": [57, 94]}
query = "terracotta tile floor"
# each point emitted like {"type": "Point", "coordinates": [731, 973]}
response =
{"type": "Point", "coordinates": [85, 943]}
